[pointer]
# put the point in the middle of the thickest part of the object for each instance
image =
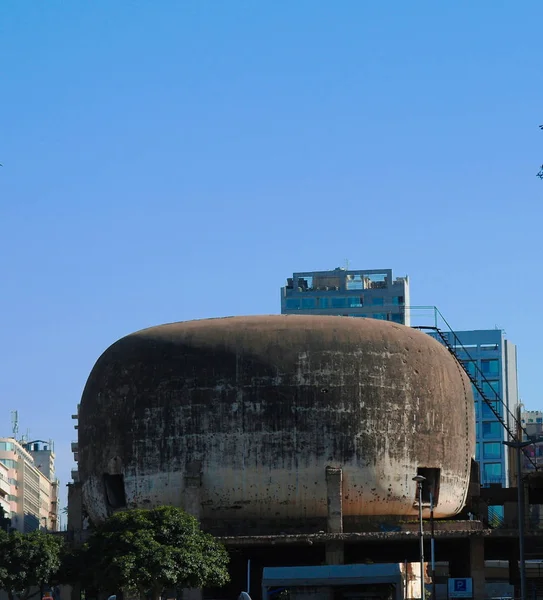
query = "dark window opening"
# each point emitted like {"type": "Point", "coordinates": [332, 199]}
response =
{"type": "Point", "coordinates": [430, 486]}
{"type": "Point", "coordinates": [114, 484]}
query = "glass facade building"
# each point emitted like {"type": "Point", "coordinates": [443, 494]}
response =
{"type": "Point", "coordinates": [350, 293]}
{"type": "Point", "coordinates": [492, 360]}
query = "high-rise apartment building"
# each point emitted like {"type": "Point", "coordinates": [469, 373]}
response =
{"type": "Point", "coordinates": [492, 360]}
{"type": "Point", "coordinates": [351, 293]}
{"type": "Point", "coordinates": [33, 495]}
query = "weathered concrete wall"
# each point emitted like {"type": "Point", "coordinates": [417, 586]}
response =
{"type": "Point", "coordinates": [264, 405]}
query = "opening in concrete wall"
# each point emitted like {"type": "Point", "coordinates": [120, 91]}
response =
{"type": "Point", "coordinates": [114, 484]}
{"type": "Point", "coordinates": [430, 486]}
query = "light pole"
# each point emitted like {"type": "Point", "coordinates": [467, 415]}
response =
{"type": "Point", "coordinates": [520, 500]}
{"type": "Point", "coordinates": [420, 480]}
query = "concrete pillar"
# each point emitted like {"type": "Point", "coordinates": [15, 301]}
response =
{"type": "Point", "coordinates": [192, 502]}
{"type": "Point", "coordinates": [75, 508]}
{"type": "Point", "coordinates": [477, 566]}
{"type": "Point", "coordinates": [75, 529]}
{"type": "Point", "coordinates": [510, 514]}
{"type": "Point", "coordinates": [334, 492]}
{"type": "Point", "coordinates": [335, 553]}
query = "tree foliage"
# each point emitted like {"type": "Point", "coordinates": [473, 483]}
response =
{"type": "Point", "coordinates": [149, 551]}
{"type": "Point", "coordinates": [28, 560]}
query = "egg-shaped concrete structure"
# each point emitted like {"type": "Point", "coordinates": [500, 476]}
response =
{"type": "Point", "coordinates": [255, 409]}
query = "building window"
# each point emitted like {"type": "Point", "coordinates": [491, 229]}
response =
{"type": "Point", "coordinates": [492, 450]}
{"type": "Point", "coordinates": [293, 303]}
{"type": "Point", "coordinates": [355, 302]}
{"type": "Point", "coordinates": [477, 451]}
{"type": "Point", "coordinates": [487, 411]}
{"type": "Point", "coordinates": [339, 302]}
{"type": "Point", "coordinates": [398, 300]}
{"type": "Point", "coordinates": [10, 464]}
{"type": "Point", "coordinates": [492, 472]}
{"type": "Point", "coordinates": [6, 446]}
{"type": "Point", "coordinates": [397, 318]}
{"type": "Point", "coordinates": [380, 316]}
{"type": "Point", "coordinates": [490, 367]}
{"type": "Point", "coordinates": [323, 302]}
{"type": "Point", "coordinates": [308, 303]}
{"type": "Point", "coordinates": [378, 301]}
{"type": "Point", "coordinates": [492, 429]}
{"type": "Point", "coordinates": [491, 388]}
{"type": "Point", "coordinates": [470, 366]}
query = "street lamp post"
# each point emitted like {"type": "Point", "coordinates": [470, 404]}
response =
{"type": "Point", "coordinates": [520, 500]}
{"type": "Point", "coordinates": [419, 479]}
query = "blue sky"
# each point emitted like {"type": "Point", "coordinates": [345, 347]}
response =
{"type": "Point", "coordinates": [171, 160]}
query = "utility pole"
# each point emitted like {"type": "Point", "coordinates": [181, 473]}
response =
{"type": "Point", "coordinates": [520, 500]}
{"type": "Point", "coordinates": [432, 547]}
{"type": "Point", "coordinates": [420, 479]}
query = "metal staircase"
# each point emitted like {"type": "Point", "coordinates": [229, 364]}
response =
{"type": "Point", "coordinates": [490, 402]}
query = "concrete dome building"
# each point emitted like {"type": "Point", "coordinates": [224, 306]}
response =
{"type": "Point", "coordinates": [254, 420]}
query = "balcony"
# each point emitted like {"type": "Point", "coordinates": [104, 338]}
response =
{"type": "Point", "coordinates": [75, 475]}
{"type": "Point", "coordinates": [5, 487]}
{"type": "Point", "coordinates": [75, 447]}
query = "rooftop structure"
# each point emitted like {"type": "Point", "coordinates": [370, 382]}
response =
{"type": "Point", "coordinates": [371, 293]}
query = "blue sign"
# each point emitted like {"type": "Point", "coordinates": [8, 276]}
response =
{"type": "Point", "coordinates": [461, 587]}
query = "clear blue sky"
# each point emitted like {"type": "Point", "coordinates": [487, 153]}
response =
{"type": "Point", "coordinates": [171, 160]}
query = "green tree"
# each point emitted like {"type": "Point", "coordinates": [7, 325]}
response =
{"type": "Point", "coordinates": [27, 560]}
{"type": "Point", "coordinates": [148, 551]}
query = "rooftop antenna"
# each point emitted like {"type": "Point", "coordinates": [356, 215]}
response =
{"type": "Point", "coordinates": [346, 264]}
{"type": "Point", "coordinates": [14, 423]}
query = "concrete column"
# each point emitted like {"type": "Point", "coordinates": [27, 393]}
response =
{"type": "Point", "coordinates": [192, 502]}
{"type": "Point", "coordinates": [477, 566]}
{"type": "Point", "coordinates": [334, 492]}
{"type": "Point", "coordinates": [75, 508]}
{"type": "Point", "coordinates": [335, 553]}
{"type": "Point", "coordinates": [510, 514]}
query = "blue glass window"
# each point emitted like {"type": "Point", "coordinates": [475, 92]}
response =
{"type": "Point", "coordinates": [397, 300]}
{"type": "Point", "coordinates": [7, 446]}
{"type": "Point", "coordinates": [492, 450]}
{"type": "Point", "coordinates": [339, 302]}
{"type": "Point", "coordinates": [477, 451]}
{"type": "Point", "coordinates": [490, 367]}
{"type": "Point", "coordinates": [355, 302]}
{"type": "Point", "coordinates": [381, 316]}
{"type": "Point", "coordinates": [470, 366]}
{"type": "Point", "coordinates": [487, 411]}
{"type": "Point", "coordinates": [308, 303]}
{"type": "Point", "coordinates": [378, 301]}
{"type": "Point", "coordinates": [293, 303]}
{"type": "Point", "coordinates": [10, 464]}
{"type": "Point", "coordinates": [492, 472]}
{"type": "Point", "coordinates": [323, 302]}
{"type": "Point", "coordinates": [492, 429]}
{"type": "Point", "coordinates": [397, 318]}
{"type": "Point", "coordinates": [491, 388]}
